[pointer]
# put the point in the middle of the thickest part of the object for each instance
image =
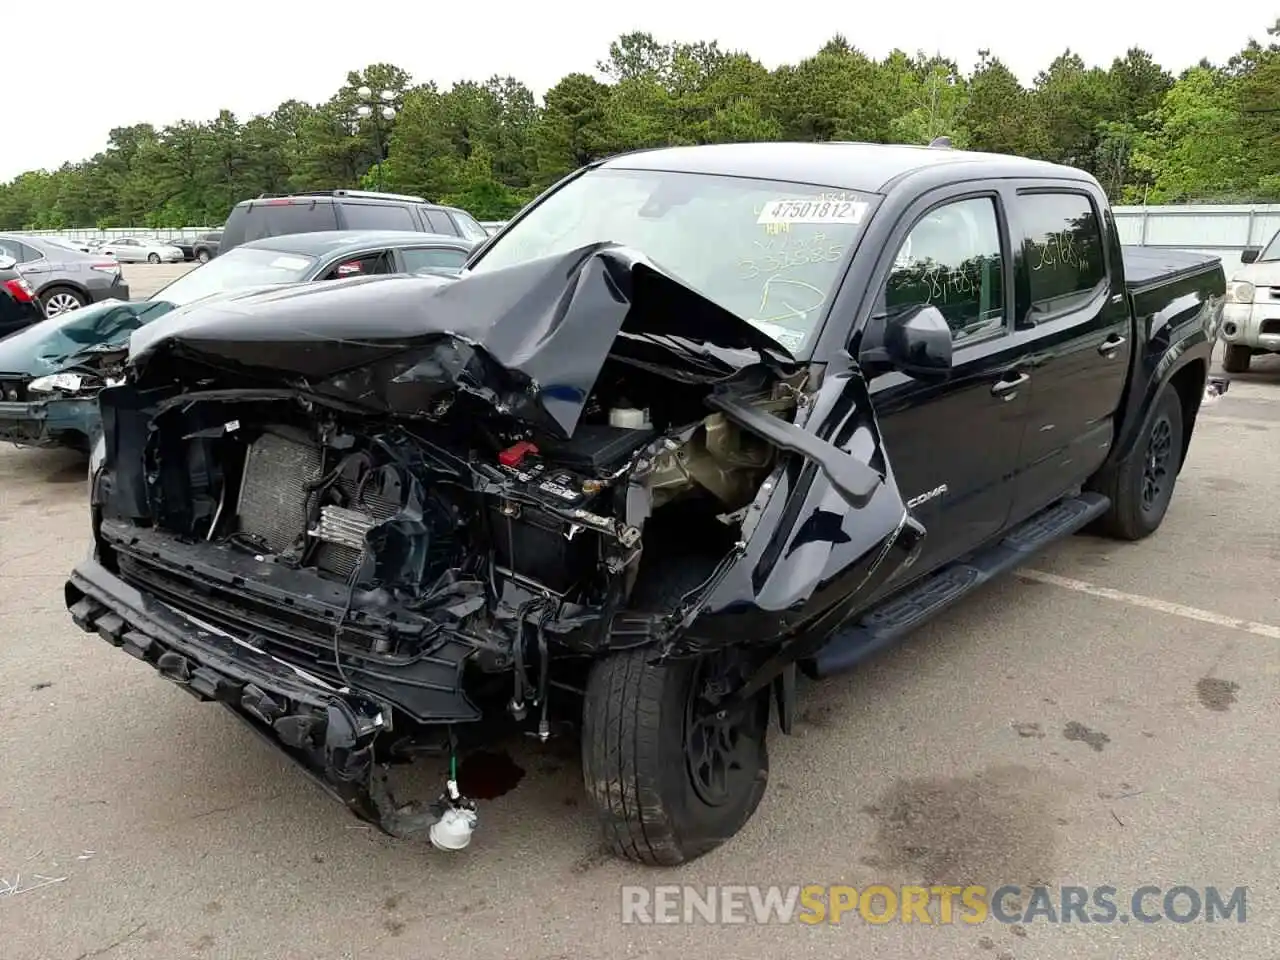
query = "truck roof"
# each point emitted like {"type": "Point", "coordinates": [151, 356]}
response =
{"type": "Point", "coordinates": [865, 167]}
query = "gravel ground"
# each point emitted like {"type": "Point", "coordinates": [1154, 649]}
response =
{"type": "Point", "coordinates": [1092, 721]}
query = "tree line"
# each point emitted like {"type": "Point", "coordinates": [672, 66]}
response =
{"type": "Point", "coordinates": [1212, 133]}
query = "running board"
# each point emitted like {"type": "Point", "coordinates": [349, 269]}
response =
{"type": "Point", "coordinates": [900, 614]}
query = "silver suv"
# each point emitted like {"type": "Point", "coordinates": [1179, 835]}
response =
{"type": "Point", "coordinates": [1251, 317]}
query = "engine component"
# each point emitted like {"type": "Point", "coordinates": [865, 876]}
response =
{"type": "Point", "coordinates": [596, 449]}
{"type": "Point", "coordinates": [719, 457]}
{"type": "Point", "coordinates": [279, 468]}
{"type": "Point", "coordinates": [343, 527]}
{"type": "Point", "coordinates": [629, 418]}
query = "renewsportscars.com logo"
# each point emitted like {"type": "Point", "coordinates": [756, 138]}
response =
{"type": "Point", "coordinates": [881, 904]}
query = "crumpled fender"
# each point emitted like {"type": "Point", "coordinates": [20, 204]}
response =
{"type": "Point", "coordinates": [827, 530]}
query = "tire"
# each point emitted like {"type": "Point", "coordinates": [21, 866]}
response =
{"type": "Point", "coordinates": [1236, 359]}
{"type": "Point", "coordinates": [153, 258]}
{"type": "Point", "coordinates": [202, 256]}
{"type": "Point", "coordinates": [1139, 501]}
{"type": "Point", "coordinates": [59, 300]}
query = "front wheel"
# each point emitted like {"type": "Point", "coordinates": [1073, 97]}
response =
{"type": "Point", "coordinates": [670, 776]}
{"type": "Point", "coordinates": [1141, 486]}
{"type": "Point", "coordinates": [153, 258]}
{"type": "Point", "coordinates": [1236, 359]}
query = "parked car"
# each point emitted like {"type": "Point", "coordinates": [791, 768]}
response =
{"type": "Point", "coordinates": [57, 368]}
{"type": "Point", "coordinates": [140, 250]}
{"type": "Point", "coordinates": [64, 279]}
{"type": "Point", "coordinates": [1251, 318]}
{"type": "Point", "coordinates": [206, 245]}
{"type": "Point", "coordinates": [19, 305]}
{"type": "Point", "coordinates": [343, 210]}
{"type": "Point", "coordinates": [677, 431]}
{"type": "Point", "coordinates": [185, 245]}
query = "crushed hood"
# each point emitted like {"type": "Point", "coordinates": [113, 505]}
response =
{"type": "Point", "coordinates": [531, 339]}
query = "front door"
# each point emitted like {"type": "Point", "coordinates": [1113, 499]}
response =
{"type": "Point", "coordinates": [954, 445]}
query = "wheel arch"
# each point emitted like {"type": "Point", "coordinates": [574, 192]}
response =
{"type": "Point", "coordinates": [65, 284]}
{"type": "Point", "coordinates": [1188, 382]}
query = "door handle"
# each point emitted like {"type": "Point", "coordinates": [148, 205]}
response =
{"type": "Point", "coordinates": [1007, 389]}
{"type": "Point", "coordinates": [1109, 346]}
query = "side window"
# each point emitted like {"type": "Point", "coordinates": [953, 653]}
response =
{"type": "Point", "coordinates": [377, 216]}
{"type": "Point", "coordinates": [367, 265]}
{"type": "Point", "coordinates": [951, 259]}
{"type": "Point", "coordinates": [424, 258]}
{"type": "Point", "coordinates": [440, 222]}
{"type": "Point", "coordinates": [30, 254]}
{"type": "Point", "coordinates": [468, 226]}
{"type": "Point", "coordinates": [10, 248]}
{"type": "Point", "coordinates": [1062, 250]}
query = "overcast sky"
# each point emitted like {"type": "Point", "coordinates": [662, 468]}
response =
{"type": "Point", "coordinates": [123, 63]}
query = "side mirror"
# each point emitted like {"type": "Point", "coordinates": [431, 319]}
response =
{"type": "Point", "coordinates": [7, 263]}
{"type": "Point", "coordinates": [917, 341]}
{"type": "Point", "coordinates": [1250, 255]}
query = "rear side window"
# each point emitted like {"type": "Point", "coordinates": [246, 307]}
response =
{"type": "Point", "coordinates": [428, 258]}
{"type": "Point", "coordinates": [362, 265]}
{"type": "Point", "coordinates": [377, 216]}
{"type": "Point", "coordinates": [265, 218]}
{"type": "Point", "coordinates": [1062, 250]}
{"type": "Point", "coordinates": [439, 222]}
{"type": "Point", "coordinates": [469, 226]}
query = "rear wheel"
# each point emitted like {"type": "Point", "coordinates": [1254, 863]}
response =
{"type": "Point", "coordinates": [202, 256]}
{"type": "Point", "coordinates": [1141, 486]}
{"type": "Point", "coordinates": [153, 258]}
{"type": "Point", "coordinates": [1236, 359]}
{"type": "Point", "coordinates": [59, 300]}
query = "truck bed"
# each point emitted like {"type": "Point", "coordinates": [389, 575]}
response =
{"type": "Point", "coordinates": [1146, 267]}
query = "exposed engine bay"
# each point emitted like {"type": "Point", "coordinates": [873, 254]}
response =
{"type": "Point", "coordinates": [355, 540]}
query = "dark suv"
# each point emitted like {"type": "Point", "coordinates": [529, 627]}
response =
{"type": "Point", "coordinates": [343, 210]}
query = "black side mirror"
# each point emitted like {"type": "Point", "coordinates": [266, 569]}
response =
{"type": "Point", "coordinates": [917, 341]}
{"type": "Point", "coordinates": [1250, 255]}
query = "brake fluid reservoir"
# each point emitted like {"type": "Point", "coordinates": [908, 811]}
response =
{"type": "Point", "coordinates": [629, 418]}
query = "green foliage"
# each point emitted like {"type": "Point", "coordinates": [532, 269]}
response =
{"type": "Point", "coordinates": [1212, 133]}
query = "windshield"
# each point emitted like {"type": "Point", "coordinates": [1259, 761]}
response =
{"type": "Point", "coordinates": [768, 251]}
{"type": "Point", "coordinates": [235, 270]}
{"type": "Point", "coordinates": [1272, 251]}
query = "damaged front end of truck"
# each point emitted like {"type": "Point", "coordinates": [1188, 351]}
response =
{"type": "Point", "coordinates": [371, 515]}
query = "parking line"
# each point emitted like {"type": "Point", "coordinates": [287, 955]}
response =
{"type": "Point", "coordinates": [1151, 603]}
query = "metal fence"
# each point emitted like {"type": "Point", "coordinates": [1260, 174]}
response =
{"type": "Point", "coordinates": [1223, 231]}
{"type": "Point", "coordinates": [88, 233]}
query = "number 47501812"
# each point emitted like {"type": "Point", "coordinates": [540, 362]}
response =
{"type": "Point", "coordinates": [812, 211]}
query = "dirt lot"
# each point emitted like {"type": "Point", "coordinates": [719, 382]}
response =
{"type": "Point", "coordinates": [1104, 718]}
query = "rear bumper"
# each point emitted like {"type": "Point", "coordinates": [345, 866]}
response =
{"type": "Point", "coordinates": [48, 423]}
{"type": "Point", "coordinates": [118, 292]}
{"type": "Point", "coordinates": [328, 732]}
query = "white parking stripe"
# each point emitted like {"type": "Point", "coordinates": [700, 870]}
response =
{"type": "Point", "coordinates": [1151, 603]}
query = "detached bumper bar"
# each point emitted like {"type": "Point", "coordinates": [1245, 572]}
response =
{"type": "Point", "coordinates": [43, 423]}
{"type": "Point", "coordinates": [327, 732]}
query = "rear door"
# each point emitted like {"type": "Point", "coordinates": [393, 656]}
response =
{"type": "Point", "coordinates": [953, 445]}
{"type": "Point", "coordinates": [1073, 316]}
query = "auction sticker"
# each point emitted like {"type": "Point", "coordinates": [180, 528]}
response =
{"type": "Point", "coordinates": [813, 211]}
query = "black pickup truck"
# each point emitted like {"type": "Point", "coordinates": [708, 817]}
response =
{"type": "Point", "coordinates": [698, 418]}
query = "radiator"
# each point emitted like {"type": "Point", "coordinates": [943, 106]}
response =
{"type": "Point", "coordinates": [273, 491]}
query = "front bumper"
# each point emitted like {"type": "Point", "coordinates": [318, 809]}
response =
{"type": "Point", "coordinates": [1254, 325]}
{"type": "Point", "coordinates": [48, 423]}
{"type": "Point", "coordinates": [328, 732]}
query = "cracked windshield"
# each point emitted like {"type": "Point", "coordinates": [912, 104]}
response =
{"type": "Point", "coordinates": [768, 251]}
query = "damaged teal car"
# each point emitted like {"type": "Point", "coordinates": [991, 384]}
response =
{"type": "Point", "coordinates": [50, 373]}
